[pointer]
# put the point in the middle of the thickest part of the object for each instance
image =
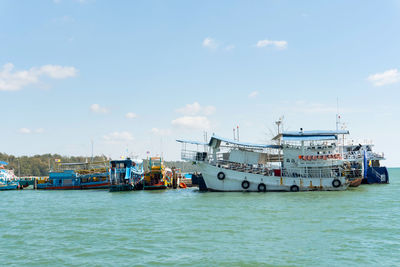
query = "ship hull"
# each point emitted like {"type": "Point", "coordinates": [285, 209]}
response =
{"type": "Point", "coordinates": [74, 187]}
{"type": "Point", "coordinates": [234, 181]}
{"type": "Point", "coordinates": [8, 187]}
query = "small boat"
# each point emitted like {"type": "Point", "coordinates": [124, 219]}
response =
{"type": "Point", "coordinates": [8, 181]}
{"type": "Point", "coordinates": [77, 176]}
{"type": "Point", "coordinates": [156, 177]}
{"type": "Point", "coordinates": [126, 175]}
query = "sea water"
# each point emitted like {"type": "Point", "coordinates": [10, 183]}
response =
{"type": "Point", "coordinates": [357, 227]}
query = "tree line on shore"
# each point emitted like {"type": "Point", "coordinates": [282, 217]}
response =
{"type": "Point", "coordinates": [40, 165]}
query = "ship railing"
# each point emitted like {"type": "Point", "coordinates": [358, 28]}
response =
{"type": "Point", "coordinates": [310, 173]}
{"type": "Point", "coordinates": [194, 155]}
{"type": "Point", "coordinates": [243, 167]}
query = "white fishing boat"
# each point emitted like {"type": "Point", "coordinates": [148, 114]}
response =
{"type": "Point", "coordinates": [299, 161]}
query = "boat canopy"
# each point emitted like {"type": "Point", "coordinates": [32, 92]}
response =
{"type": "Point", "coordinates": [310, 135]}
{"type": "Point", "coordinates": [216, 140]}
{"type": "Point", "coordinates": [191, 142]}
{"type": "Point", "coordinates": [3, 163]}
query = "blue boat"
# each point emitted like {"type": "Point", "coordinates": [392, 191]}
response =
{"type": "Point", "coordinates": [373, 171]}
{"type": "Point", "coordinates": [8, 181]}
{"type": "Point", "coordinates": [126, 175]}
{"type": "Point", "coordinates": [77, 176]}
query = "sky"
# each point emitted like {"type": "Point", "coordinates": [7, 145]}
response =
{"type": "Point", "coordinates": [131, 77]}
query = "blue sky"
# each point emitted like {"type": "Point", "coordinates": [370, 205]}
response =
{"type": "Point", "coordinates": [137, 75]}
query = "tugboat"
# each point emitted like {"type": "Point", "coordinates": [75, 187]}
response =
{"type": "Point", "coordinates": [126, 175]}
{"type": "Point", "coordinates": [299, 161]}
{"type": "Point", "coordinates": [156, 177]}
{"type": "Point", "coordinates": [77, 176]}
{"type": "Point", "coordinates": [8, 180]}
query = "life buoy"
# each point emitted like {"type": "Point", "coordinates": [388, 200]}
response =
{"type": "Point", "coordinates": [304, 157]}
{"type": "Point", "coordinates": [309, 157]}
{"type": "Point", "coordinates": [314, 157]}
{"type": "Point", "coordinates": [329, 156]}
{"type": "Point", "coordinates": [221, 176]}
{"type": "Point", "coordinates": [336, 183]}
{"type": "Point", "coordinates": [319, 157]}
{"type": "Point", "coordinates": [245, 184]}
{"type": "Point", "coordinates": [262, 188]}
{"type": "Point", "coordinates": [324, 157]}
{"type": "Point", "coordinates": [294, 188]}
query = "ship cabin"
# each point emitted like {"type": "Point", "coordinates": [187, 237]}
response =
{"type": "Point", "coordinates": [311, 153]}
{"type": "Point", "coordinates": [126, 175]}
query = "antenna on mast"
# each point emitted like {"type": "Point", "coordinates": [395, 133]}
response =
{"type": "Point", "coordinates": [278, 123]}
{"type": "Point", "coordinates": [92, 149]}
{"type": "Point", "coordinates": [337, 114]}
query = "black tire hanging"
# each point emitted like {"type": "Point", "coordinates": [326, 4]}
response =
{"type": "Point", "coordinates": [245, 184]}
{"type": "Point", "coordinates": [294, 188]}
{"type": "Point", "coordinates": [262, 188]}
{"type": "Point", "coordinates": [221, 176]}
{"type": "Point", "coordinates": [336, 183]}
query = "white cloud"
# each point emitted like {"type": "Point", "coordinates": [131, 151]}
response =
{"type": "Point", "coordinates": [25, 131]}
{"type": "Point", "coordinates": [192, 122]}
{"type": "Point", "coordinates": [196, 109]}
{"type": "Point", "coordinates": [96, 108]}
{"type": "Point", "coordinates": [277, 44]}
{"type": "Point", "coordinates": [158, 131]}
{"type": "Point", "coordinates": [253, 94]}
{"type": "Point", "coordinates": [130, 115]}
{"type": "Point", "coordinates": [15, 80]}
{"type": "Point", "coordinates": [29, 131]}
{"type": "Point", "coordinates": [210, 43]}
{"type": "Point", "coordinates": [118, 137]}
{"type": "Point", "coordinates": [384, 78]}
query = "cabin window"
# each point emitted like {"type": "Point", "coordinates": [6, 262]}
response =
{"type": "Point", "coordinates": [292, 160]}
{"type": "Point", "coordinates": [287, 160]}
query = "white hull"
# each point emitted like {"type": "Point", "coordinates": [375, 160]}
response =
{"type": "Point", "coordinates": [233, 181]}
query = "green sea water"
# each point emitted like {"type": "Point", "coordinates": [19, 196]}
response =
{"type": "Point", "coordinates": [358, 227]}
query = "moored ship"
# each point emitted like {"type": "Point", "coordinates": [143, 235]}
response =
{"type": "Point", "coordinates": [362, 154]}
{"type": "Point", "coordinates": [77, 176]}
{"type": "Point", "coordinates": [156, 177]}
{"type": "Point", "coordinates": [299, 161]}
{"type": "Point", "coordinates": [126, 175]}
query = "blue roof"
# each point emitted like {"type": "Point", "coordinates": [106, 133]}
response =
{"type": "Point", "coordinates": [3, 163]}
{"type": "Point", "coordinates": [315, 133]}
{"type": "Point", "coordinates": [234, 142]}
{"type": "Point", "coordinates": [309, 138]}
{"type": "Point", "coordinates": [191, 142]}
